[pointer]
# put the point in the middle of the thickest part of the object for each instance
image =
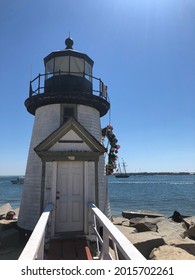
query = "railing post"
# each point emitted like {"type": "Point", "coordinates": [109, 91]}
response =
{"type": "Point", "coordinates": [115, 250]}
{"type": "Point", "coordinates": [39, 83]}
{"type": "Point", "coordinates": [100, 87]}
{"type": "Point", "coordinates": [97, 242]}
{"type": "Point", "coordinates": [30, 89]}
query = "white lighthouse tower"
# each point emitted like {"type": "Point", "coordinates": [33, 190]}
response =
{"type": "Point", "coordinates": [66, 157]}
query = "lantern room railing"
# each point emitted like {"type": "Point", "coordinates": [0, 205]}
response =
{"type": "Point", "coordinates": [37, 85]}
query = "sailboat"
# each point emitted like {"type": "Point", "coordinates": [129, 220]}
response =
{"type": "Point", "coordinates": [121, 171]}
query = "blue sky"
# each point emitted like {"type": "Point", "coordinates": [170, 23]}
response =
{"type": "Point", "coordinates": [144, 50]}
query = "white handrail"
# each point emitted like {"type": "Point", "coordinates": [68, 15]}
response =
{"type": "Point", "coordinates": [34, 249]}
{"type": "Point", "coordinates": [126, 248]}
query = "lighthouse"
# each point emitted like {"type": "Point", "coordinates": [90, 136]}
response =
{"type": "Point", "coordinates": [66, 164]}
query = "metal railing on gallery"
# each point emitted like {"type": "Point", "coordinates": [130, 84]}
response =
{"type": "Point", "coordinates": [37, 85]}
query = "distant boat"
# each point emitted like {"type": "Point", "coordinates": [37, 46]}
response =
{"type": "Point", "coordinates": [122, 171]}
{"type": "Point", "coordinates": [18, 180]}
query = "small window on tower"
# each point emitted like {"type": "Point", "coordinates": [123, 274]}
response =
{"type": "Point", "coordinates": [68, 113]}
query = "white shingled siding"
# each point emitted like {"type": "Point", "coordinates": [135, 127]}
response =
{"type": "Point", "coordinates": [90, 118]}
{"type": "Point", "coordinates": [47, 120]}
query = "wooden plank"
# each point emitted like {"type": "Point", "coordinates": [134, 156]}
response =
{"type": "Point", "coordinates": [69, 250]}
{"type": "Point", "coordinates": [55, 250]}
{"type": "Point", "coordinates": [80, 249]}
{"type": "Point", "coordinates": [83, 251]}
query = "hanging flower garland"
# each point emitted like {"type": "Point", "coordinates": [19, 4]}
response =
{"type": "Point", "coordinates": [112, 155]}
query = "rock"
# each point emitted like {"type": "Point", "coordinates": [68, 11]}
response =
{"type": "Point", "coordinates": [141, 214]}
{"type": "Point", "coordinates": [141, 227]}
{"type": "Point", "coordinates": [11, 215]}
{"type": "Point", "coordinates": [126, 223]}
{"type": "Point", "coordinates": [126, 230]}
{"type": "Point", "coordinates": [169, 230]}
{"type": "Point", "coordinates": [5, 208]}
{"type": "Point", "coordinates": [167, 252]}
{"type": "Point", "coordinates": [145, 242]}
{"type": "Point", "coordinates": [168, 233]}
{"type": "Point", "coordinates": [186, 244]}
{"type": "Point", "coordinates": [190, 219]}
{"type": "Point", "coordinates": [134, 221]}
{"type": "Point", "coordinates": [145, 224]}
{"type": "Point", "coordinates": [120, 221]}
{"type": "Point", "coordinates": [8, 221]}
{"type": "Point", "coordinates": [177, 217]}
{"type": "Point", "coordinates": [191, 231]}
{"type": "Point", "coordinates": [189, 226]}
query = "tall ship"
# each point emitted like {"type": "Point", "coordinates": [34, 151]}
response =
{"type": "Point", "coordinates": [122, 173]}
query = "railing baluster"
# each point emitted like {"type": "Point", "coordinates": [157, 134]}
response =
{"type": "Point", "coordinates": [115, 250]}
{"type": "Point", "coordinates": [105, 246]}
{"type": "Point", "coordinates": [97, 240]}
{"type": "Point", "coordinates": [39, 82]}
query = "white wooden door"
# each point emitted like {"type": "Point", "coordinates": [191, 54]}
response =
{"type": "Point", "coordinates": [69, 197]}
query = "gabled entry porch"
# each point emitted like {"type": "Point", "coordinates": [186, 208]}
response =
{"type": "Point", "coordinates": [70, 158]}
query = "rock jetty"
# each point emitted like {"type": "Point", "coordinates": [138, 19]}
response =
{"type": "Point", "coordinates": [161, 238]}
{"type": "Point", "coordinates": [11, 243]}
{"type": "Point", "coordinates": [157, 238]}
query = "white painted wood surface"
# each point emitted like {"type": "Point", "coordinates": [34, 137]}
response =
{"type": "Point", "coordinates": [34, 249]}
{"type": "Point", "coordinates": [69, 203]}
{"type": "Point", "coordinates": [128, 250]}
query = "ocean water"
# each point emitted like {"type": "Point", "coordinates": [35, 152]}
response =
{"type": "Point", "coordinates": [10, 193]}
{"type": "Point", "coordinates": [160, 193]}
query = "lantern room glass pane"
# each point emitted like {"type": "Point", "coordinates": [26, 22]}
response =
{"type": "Point", "coordinates": [88, 71]}
{"type": "Point", "coordinates": [49, 68]}
{"type": "Point", "coordinates": [62, 65]}
{"type": "Point", "coordinates": [76, 66]}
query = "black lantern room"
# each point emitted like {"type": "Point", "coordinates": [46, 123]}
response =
{"type": "Point", "coordinates": [68, 78]}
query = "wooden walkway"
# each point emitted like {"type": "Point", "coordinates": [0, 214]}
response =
{"type": "Point", "coordinates": [69, 249]}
